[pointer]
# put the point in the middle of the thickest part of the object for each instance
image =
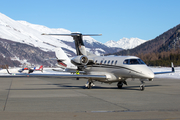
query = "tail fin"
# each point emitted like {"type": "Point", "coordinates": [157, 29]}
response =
{"type": "Point", "coordinates": [80, 48]}
{"type": "Point", "coordinates": [39, 69]}
{"type": "Point", "coordinates": [62, 59]}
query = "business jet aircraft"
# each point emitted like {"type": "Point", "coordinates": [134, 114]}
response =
{"type": "Point", "coordinates": [105, 69]}
{"type": "Point", "coordinates": [30, 70]}
{"type": "Point", "coordinates": [108, 69]}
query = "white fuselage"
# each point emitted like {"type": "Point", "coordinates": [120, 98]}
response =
{"type": "Point", "coordinates": [117, 68]}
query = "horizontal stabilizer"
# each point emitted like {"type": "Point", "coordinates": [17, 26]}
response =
{"type": "Point", "coordinates": [73, 34]}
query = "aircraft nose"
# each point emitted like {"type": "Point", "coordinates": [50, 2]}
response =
{"type": "Point", "coordinates": [150, 75]}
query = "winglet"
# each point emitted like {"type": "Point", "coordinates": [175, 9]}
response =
{"type": "Point", "coordinates": [172, 65]}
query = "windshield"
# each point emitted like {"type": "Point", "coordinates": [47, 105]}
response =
{"type": "Point", "coordinates": [133, 61]}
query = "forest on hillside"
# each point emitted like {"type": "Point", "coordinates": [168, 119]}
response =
{"type": "Point", "coordinates": [161, 59]}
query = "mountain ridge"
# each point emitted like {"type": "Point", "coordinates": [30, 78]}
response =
{"type": "Point", "coordinates": [160, 51]}
{"type": "Point", "coordinates": [125, 43]}
{"type": "Point", "coordinates": [155, 44]}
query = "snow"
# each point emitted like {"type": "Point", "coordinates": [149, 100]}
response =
{"type": "Point", "coordinates": [24, 32]}
{"type": "Point", "coordinates": [125, 43]}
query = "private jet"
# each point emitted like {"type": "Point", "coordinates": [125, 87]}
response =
{"type": "Point", "coordinates": [108, 69]}
{"type": "Point", "coordinates": [105, 69]}
{"type": "Point", "coordinates": [31, 70]}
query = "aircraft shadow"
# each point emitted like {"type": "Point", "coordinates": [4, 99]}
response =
{"type": "Point", "coordinates": [137, 87]}
{"type": "Point", "coordinates": [66, 86]}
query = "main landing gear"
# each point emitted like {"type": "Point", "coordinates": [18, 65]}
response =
{"type": "Point", "coordinates": [89, 84]}
{"type": "Point", "coordinates": [120, 84]}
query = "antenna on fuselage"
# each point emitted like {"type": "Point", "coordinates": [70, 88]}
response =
{"type": "Point", "coordinates": [79, 44]}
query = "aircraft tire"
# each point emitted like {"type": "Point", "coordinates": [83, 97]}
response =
{"type": "Point", "coordinates": [120, 84]}
{"type": "Point", "coordinates": [142, 87]}
{"type": "Point", "coordinates": [89, 85]}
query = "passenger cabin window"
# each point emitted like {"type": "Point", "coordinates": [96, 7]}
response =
{"type": "Point", "coordinates": [105, 62]}
{"type": "Point", "coordinates": [115, 62]}
{"type": "Point", "coordinates": [133, 61]}
{"type": "Point", "coordinates": [108, 62]}
{"type": "Point", "coordinates": [112, 62]}
{"type": "Point", "coordinates": [101, 62]}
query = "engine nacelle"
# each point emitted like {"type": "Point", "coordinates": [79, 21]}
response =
{"type": "Point", "coordinates": [80, 60]}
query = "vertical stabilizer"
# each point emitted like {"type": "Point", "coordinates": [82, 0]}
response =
{"type": "Point", "coordinates": [80, 48]}
{"type": "Point", "coordinates": [62, 59]}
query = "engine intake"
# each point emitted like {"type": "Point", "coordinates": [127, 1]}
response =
{"type": "Point", "coordinates": [79, 60]}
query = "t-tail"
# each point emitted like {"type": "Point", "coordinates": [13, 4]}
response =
{"type": "Point", "coordinates": [80, 48]}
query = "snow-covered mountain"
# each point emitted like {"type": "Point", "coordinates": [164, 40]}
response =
{"type": "Point", "coordinates": [30, 34]}
{"type": "Point", "coordinates": [125, 43]}
{"type": "Point", "coordinates": [24, 32]}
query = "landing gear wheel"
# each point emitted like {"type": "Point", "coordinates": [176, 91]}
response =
{"type": "Point", "coordinates": [89, 85]}
{"type": "Point", "coordinates": [120, 84]}
{"type": "Point", "coordinates": [142, 87]}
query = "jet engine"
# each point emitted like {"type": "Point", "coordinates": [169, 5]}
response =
{"type": "Point", "coordinates": [80, 60]}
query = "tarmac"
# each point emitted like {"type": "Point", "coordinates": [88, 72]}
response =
{"type": "Point", "coordinates": [66, 99]}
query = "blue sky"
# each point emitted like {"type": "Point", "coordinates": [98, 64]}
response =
{"type": "Point", "coordinates": [115, 19]}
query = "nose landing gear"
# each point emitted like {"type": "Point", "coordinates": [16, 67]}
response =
{"type": "Point", "coordinates": [142, 86]}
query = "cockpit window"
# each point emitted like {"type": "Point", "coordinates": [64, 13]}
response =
{"type": "Point", "coordinates": [126, 62]}
{"type": "Point", "coordinates": [133, 61]}
{"type": "Point", "coordinates": [140, 61]}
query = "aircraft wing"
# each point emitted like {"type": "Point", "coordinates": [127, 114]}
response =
{"type": "Point", "coordinates": [67, 76]}
{"type": "Point", "coordinates": [172, 71]}
{"type": "Point", "coordinates": [54, 75]}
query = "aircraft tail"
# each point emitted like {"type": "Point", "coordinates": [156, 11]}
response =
{"type": "Point", "coordinates": [62, 59]}
{"type": "Point", "coordinates": [79, 44]}
{"type": "Point", "coordinates": [39, 69]}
